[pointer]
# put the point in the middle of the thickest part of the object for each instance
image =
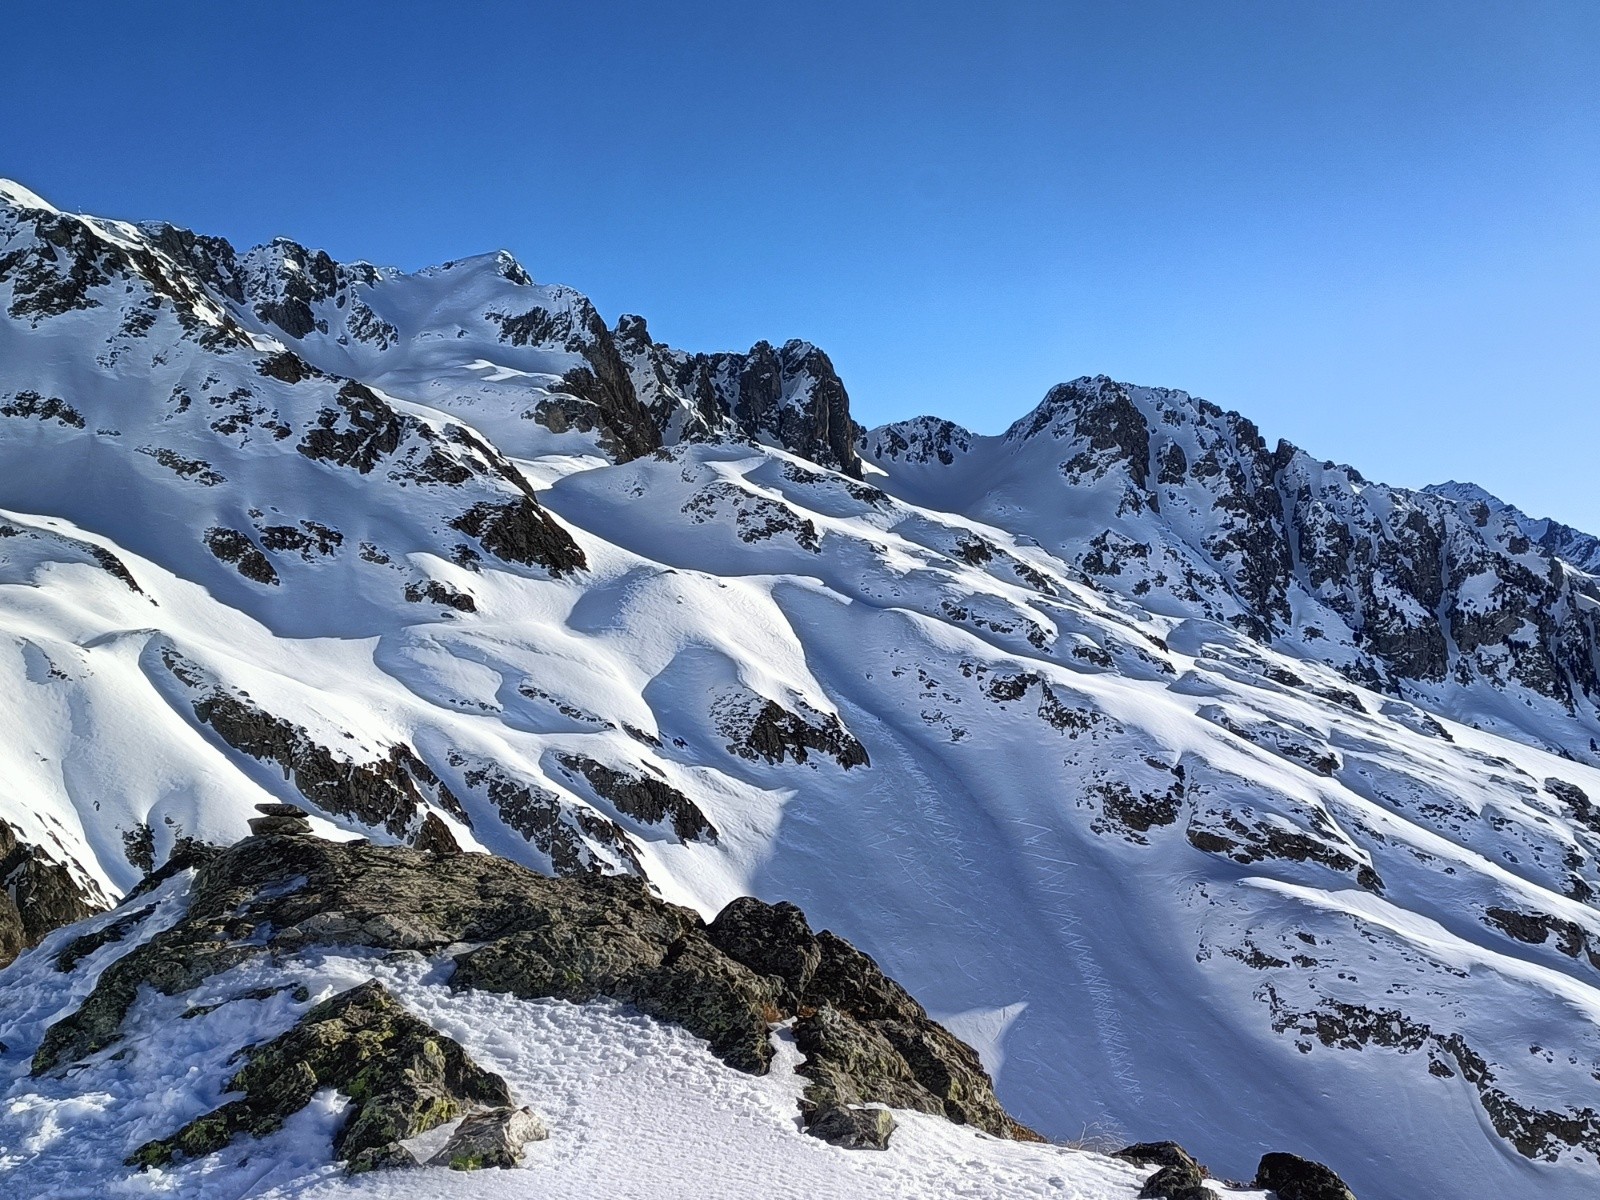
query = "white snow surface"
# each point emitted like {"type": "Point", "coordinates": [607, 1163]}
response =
{"type": "Point", "coordinates": [1157, 872]}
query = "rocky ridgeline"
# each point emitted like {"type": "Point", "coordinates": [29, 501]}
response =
{"type": "Point", "coordinates": [1395, 588]}
{"type": "Point", "coordinates": [280, 892]}
{"type": "Point", "coordinates": [868, 1046]}
{"type": "Point", "coordinates": [634, 393]}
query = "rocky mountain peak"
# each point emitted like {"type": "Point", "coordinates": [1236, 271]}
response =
{"type": "Point", "coordinates": [1572, 546]}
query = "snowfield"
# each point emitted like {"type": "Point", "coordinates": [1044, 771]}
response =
{"type": "Point", "coordinates": [1182, 850]}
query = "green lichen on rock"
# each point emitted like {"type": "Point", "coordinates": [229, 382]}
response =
{"type": "Point", "coordinates": [403, 1078]}
{"type": "Point", "coordinates": [583, 938]}
{"type": "Point", "coordinates": [491, 1138]}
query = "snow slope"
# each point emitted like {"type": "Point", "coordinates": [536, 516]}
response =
{"type": "Point", "coordinates": [1049, 737]}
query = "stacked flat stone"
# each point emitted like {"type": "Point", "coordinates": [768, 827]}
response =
{"type": "Point", "coordinates": [280, 820]}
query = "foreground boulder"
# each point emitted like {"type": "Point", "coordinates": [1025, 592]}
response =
{"type": "Point", "coordinates": [491, 1139]}
{"type": "Point", "coordinates": [1296, 1178]}
{"type": "Point", "coordinates": [854, 1128]}
{"type": "Point", "coordinates": [1180, 1181]}
{"type": "Point", "coordinates": [866, 1041]}
{"type": "Point", "coordinates": [403, 1076]}
{"type": "Point", "coordinates": [1180, 1176]}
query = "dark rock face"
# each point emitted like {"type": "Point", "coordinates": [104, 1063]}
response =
{"type": "Point", "coordinates": [288, 367]}
{"type": "Point", "coordinates": [604, 384]}
{"type": "Point", "coordinates": [1180, 1176]}
{"type": "Point", "coordinates": [644, 797]}
{"type": "Point", "coordinates": [1162, 1154]}
{"type": "Point", "coordinates": [57, 264]}
{"type": "Point", "coordinates": [32, 406]}
{"type": "Point", "coordinates": [866, 1040]}
{"type": "Point", "coordinates": [357, 434]}
{"type": "Point", "coordinates": [772, 939]}
{"type": "Point", "coordinates": [812, 418]}
{"type": "Point", "coordinates": [404, 1076]}
{"type": "Point", "coordinates": [235, 548]}
{"type": "Point", "coordinates": [386, 792]}
{"type": "Point", "coordinates": [211, 259]}
{"type": "Point", "coordinates": [567, 835]}
{"type": "Point", "coordinates": [37, 895]}
{"type": "Point", "coordinates": [790, 395]}
{"type": "Point", "coordinates": [1296, 1178]}
{"type": "Point", "coordinates": [1180, 1181]}
{"type": "Point", "coordinates": [434, 837]}
{"type": "Point", "coordinates": [291, 288]}
{"type": "Point", "coordinates": [854, 1128]}
{"type": "Point", "coordinates": [771, 732]}
{"type": "Point", "coordinates": [1536, 1133]}
{"type": "Point", "coordinates": [435, 591]}
{"type": "Point", "coordinates": [920, 441]}
{"type": "Point", "coordinates": [519, 531]}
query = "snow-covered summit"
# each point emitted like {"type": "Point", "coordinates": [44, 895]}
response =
{"type": "Point", "coordinates": [1572, 546]}
{"type": "Point", "coordinates": [14, 195]}
{"type": "Point", "coordinates": [1173, 502]}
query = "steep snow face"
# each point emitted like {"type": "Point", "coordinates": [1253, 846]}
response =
{"type": "Point", "coordinates": [1181, 506]}
{"type": "Point", "coordinates": [1040, 720]}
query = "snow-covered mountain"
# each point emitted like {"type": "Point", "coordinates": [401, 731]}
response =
{"type": "Point", "coordinates": [1580, 549]}
{"type": "Point", "coordinates": [1211, 792]}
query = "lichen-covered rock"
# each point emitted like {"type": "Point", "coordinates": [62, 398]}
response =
{"type": "Point", "coordinates": [1296, 1178]}
{"type": "Point", "coordinates": [773, 939]}
{"type": "Point", "coordinates": [582, 938]}
{"type": "Point", "coordinates": [854, 1128]}
{"type": "Point", "coordinates": [494, 1138]}
{"type": "Point", "coordinates": [389, 1157]}
{"type": "Point", "coordinates": [403, 1077]}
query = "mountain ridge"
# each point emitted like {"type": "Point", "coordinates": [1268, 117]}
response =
{"type": "Point", "coordinates": [1034, 719]}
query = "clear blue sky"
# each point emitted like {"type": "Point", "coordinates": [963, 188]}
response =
{"type": "Point", "coordinates": [1372, 227]}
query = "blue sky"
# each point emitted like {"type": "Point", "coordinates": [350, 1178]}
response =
{"type": "Point", "coordinates": [1371, 227]}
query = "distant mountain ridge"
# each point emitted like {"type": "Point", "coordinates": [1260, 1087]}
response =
{"type": "Point", "coordinates": [1171, 501]}
{"type": "Point", "coordinates": [1580, 549]}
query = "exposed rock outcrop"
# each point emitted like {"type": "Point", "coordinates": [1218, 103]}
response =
{"type": "Point", "coordinates": [1296, 1178]}
{"type": "Point", "coordinates": [404, 1077]}
{"type": "Point", "coordinates": [494, 1138]}
{"type": "Point", "coordinates": [866, 1041]}
{"type": "Point", "coordinates": [37, 895]}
